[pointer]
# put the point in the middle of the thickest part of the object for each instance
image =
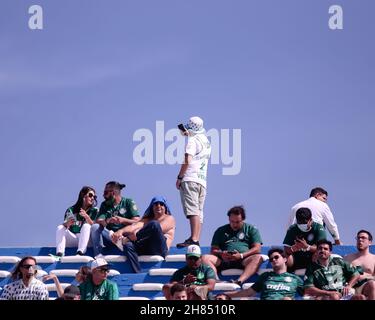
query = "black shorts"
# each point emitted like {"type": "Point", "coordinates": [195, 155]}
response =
{"type": "Point", "coordinates": [230, 265]}
{"type": "Point", "coordinates": [301, 261]}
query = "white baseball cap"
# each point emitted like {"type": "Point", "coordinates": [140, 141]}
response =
{"type": "Point", "coordinates": [99, 262]}
{"type": "Point", "coordinates": [193, 251]}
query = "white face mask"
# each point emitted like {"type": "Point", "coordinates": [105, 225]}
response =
{"type": "Point", "coordinates": [303, 227]}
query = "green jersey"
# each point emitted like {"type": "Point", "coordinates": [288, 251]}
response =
{"type": "Point", "coordinates": [107, 290]}
{"type": "Point", "coordinates": [316, 233]}
{"type": "Point", "coordinates": [125, 209]}
{"type": "Point", "coordinates": [241, 240]}
{"type": "Point", "coordinates": [273, 286]}
{"type": "Point", "coordinates": [203, 273]}
{"type": "Point", "coordinates": [78, 219]}
{"type": "Point", "coordinates": [330, 278]}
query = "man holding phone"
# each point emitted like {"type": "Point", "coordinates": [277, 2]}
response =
{"type": "Point", "coordinates": [236, 245]}
{"type": "Point", "coordinates": [301, 239]}
{"type": "Point", "coordinates": [192, 177]}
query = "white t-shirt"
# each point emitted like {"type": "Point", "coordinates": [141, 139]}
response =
{"type": "Point", "coordinates": [321, 213]}
{"type": "Point", "coordinates": [199, 147]}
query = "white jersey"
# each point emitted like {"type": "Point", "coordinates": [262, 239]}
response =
{"type": "Point", "coordinates": [321, 213]}
{"type": "Point", "coordinates": [199, 147]}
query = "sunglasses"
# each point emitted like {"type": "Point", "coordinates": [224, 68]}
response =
{"type": "Point", "coordinates": [28, 266]}
{"type": "Point", "coordinates": [276, 257]}
{"type": "Point", "coordinates": [103, 270]}
{"type": "Point", "coordinates": [158, 203]}
{"type": "Point", "coordinates": [91, 195]}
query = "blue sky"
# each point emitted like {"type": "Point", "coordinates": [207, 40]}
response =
{"type": "Point", "coordinates": [73, 94]}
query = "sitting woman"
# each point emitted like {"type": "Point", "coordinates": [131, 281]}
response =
{"type": "Point", "coordinates": [152, 235]}
{"type": "Point", "coordinates": [75, 231]}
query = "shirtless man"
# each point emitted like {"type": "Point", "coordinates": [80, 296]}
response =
{"type": "Point", "coordinates": [152, 235]}
{"type": "Point", "coordinates": [364, 261]}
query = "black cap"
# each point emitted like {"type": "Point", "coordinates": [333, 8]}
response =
{"type": "Point", "coordinates": [71, 291]}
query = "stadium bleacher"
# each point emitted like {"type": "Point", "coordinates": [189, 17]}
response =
{"type": "Point", "coordinates": [145, 285]}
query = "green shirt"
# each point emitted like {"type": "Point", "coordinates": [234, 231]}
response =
{"type": "Point", "coordinates": [316, 233]}
{"type": "Point", "coordinates": [227, 239]}
{"type": "Point", "coordinates": [79, 220]}
{"type": "Point", "coordinates": [125, 209]}
{"type": "Point", "coordinates": [203, 273]}
{"type": "Point", "coordinates": [273, 286]}
{"type": "Point", "coordinates": [107, 290]}
{"type": "Point", "coordinates": [330, 278]}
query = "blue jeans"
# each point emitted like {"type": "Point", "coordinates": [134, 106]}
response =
{"type": "Point", "coordinates": [100, 238]}
{"type": "Point", "coordinates": [150, 241]}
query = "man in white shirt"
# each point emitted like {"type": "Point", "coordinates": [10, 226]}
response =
{"type": "Point", "coordinates": [321, 213]}
{"type": "Point", "coordinates": [191, 180]}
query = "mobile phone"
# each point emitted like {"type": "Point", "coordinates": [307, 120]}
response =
{"type": "Point", "coordinates": [181, 127]}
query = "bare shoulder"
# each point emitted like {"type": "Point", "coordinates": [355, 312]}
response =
{"type": "Point", "coordinates": [169, 219]}
{"type": "Point", "coordinates": [172, 219]}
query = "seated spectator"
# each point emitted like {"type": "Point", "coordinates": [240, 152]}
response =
{"type": "Point", "coordinates": [59, 288]}
{"type": "Point", "coordinates": [222, 296]}
{"type": "Point", "coordinates": [83, 273]}
{"type": "Point", "coordinates": [364, 261]}
{"type": "Point", "coordinates": [236, 245]}
{"type": "Point", "coordinates": [81, 277]}
{"type": "Point", "coordinates": [330, 278]}
{"type": "Point", "coordinates": [301, 238]}
{"type": "Point", "coordinates": [25, 285]}
{"type": "Point", "coordinates": [97, 286]}
{"type": "Point", "coordinates": [75, 231]}
{"type": "Point", "coordinates": [116, 212]}
{"type": "Point", "coordinates": [152, 235]}
{"type": "Point", "coordinates": [71, 293]}
{"type": "Point", "coordinates": [197, 277]}
{"type": "Point", "coordinates": [178, 292]}
{"type": "Point", "coordinates": [277, 284]}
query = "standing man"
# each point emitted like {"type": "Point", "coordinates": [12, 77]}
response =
{"type": "Point", "coordinates": [25, 286]}
{"type": "Point", "coordinates": [364, 261]}
{"type": "Point", "coordinates": [321, 213]}
{"type": "Point", "coordinates": [191, 180]}
{"type": "Point", "coordinates": [236, 245]}
{"type": "Point", "coordinates": [116, 212]}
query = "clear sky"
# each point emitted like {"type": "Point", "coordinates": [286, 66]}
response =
{"type": "Point", "coordinates": [73, 94]}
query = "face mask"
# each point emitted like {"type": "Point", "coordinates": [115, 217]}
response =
{"type": "Point", "coordinates": [303, 227]}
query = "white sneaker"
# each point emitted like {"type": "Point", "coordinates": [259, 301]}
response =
{"type": "Point", "coordinates": [119, 244]}
{"type": "Point", "coordinates": [119, 241]}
